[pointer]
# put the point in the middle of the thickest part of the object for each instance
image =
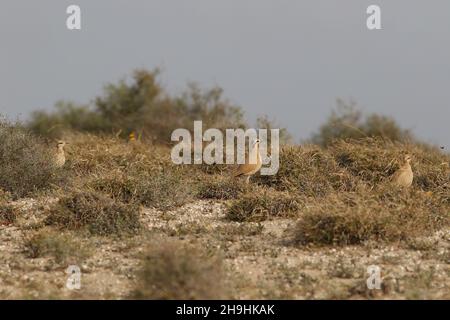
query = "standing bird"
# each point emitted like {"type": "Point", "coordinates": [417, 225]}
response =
{"type": "Point", "coordinates": [404, 176]}
{"type": "Point", "coordinates": [248, 169]}
{"type": "Point", "coordinates": [60, 157]}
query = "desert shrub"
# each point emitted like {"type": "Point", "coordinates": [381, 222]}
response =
{"type": "Point", "coordinates": [97, 154]}
{"type": "Point", "coordinates": [97, 213]}
{"type": "Point", "coordinates": [260, 205]}
{"type": "Point", "coordinates": [8, 213]}
{"type": "Point", "coordinates": [67, 116]}
{"type": "Point", "coordinates": [161, 190]}
{"type": "Point", "coordinates": [374, 160]}
{"type": "Point", "coordinates": [222, 189]}
{"type": "Point", "coordinates": [5, 196]}
{"type": "Point", "coordinates": [264, 122]}
{"type": "Point", "coordinates": [386, 213]}
{"type": "Point", "coordinates": [179, 272]}
{"type": "Point", "coordinates": [308, 170]}
{"type": "Point", "coordinates": [62, 247]}
{"type": "Point", "coordinates": [25, 162]}
{"type": "Point", "coordinates": [348, 122]}
{"type": "Point", "coordinates": [142, 106]}
{"type": "Point", "coordinates": [129, 172]}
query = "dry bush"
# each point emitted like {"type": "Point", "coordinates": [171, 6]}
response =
{"type": "Point", "coordinates": [348, 122]}
{"type": "Point", "coordinates": [62, 247]}
{"type": "Point", "coordinates": [25, 162]}
{"type": "Point", "coordinates": [8, 214]}
{"type": "Point", "coordinates": [161, 190]}
{"type": "Point", "coordinates": [309, 170]}
{"type": "Point", "coordinates": [263, 204]}
{"type": "Point", "coordinates": [214, 169]}
{"type": "Point", "coordinates": [95, 154]}
{"type": "Point", "coordinates": [375, 160]}
{"type": "Point", "coordinates": [180, 272]}
{"type": "Point", "coordinates": [222, 189]}
{"type": "Point", "coordinates": [386, 213]}
{"type": "Point", "coordinates": [129, 172]}
{"type": "Point", "coordinates": [97, 213]}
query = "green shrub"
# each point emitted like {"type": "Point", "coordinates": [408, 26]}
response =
{"type": "Point", "coordinates": [141, 106]}
{"type": "Point", "coordinates": [26, 165]}
{"type": "Point", "coordinates": [179, 272]}
{"type": "Point", "coordinates": [97, 213]}
{"type": "Point", "coordinates": [67, 116]}
{"type": "Point", "coordinates": [348, 122]}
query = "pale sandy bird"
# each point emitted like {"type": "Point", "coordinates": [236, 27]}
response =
{"type": "Point", "coordinates": [60, 157]}
{"type": "Point", "coordinates": [248, 169]}
{"type": "Point", "coordinates": [404, 176]}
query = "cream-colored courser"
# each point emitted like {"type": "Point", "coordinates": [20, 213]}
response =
{"type": "Point", "coordinates": [60, 157]}
{"type": "Point", "coordinates": [404, 176]}
{"type": "Point", "coordinates": [248, 169]}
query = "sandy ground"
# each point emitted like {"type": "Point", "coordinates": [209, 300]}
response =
{"type": "Point", "coordinates": [260, 262]}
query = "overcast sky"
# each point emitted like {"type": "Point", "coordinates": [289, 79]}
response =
{"type": "Point", "coordinates": [289, 59]}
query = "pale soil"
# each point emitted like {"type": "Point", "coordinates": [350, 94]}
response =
{"type": "Point", "coordinates": [259, 260]}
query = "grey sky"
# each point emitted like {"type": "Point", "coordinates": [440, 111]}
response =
{"type": "Point", "coordinates": [289, 59]}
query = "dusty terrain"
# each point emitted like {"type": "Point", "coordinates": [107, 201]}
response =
{"type": "Point", "coordinates": [259, 261]}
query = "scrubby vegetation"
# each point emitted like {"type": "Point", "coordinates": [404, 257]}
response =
{"type": "Point", "coordinates": [383, 214]}
{"type": "Point", "coordinates": [331, 198]}
{"type": "Point", "coordinates": [347, 121]}
{"type": "Point", "coordinates": [142, 106]}
{"type": "Point", "coordinates": [96, 212]}
{"type": "Point", "coordinates": [62, 247]}
{"type": "Point", "coordinates": [309, 170]}
{"type": "Point", "coordinates": [222, 189]}
{"type": "Point", "coordinates": [177, 271]}
{"type": "Point", "coordinates": [132, 172]}
{"type": "Point", "coordinates": [375, 160]}
{"type": "Point", "coordinates": [8, 214]}
{"type": "Point", "coordinates": [259, 205]}
{"type": "Point", "coordinates": [26, 164]}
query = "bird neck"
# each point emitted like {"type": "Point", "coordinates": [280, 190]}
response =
{"type": "Point", "coordinates": [258, 155]}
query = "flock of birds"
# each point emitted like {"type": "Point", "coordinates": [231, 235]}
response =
{"type": "Point", "coordinates": [403, 177]}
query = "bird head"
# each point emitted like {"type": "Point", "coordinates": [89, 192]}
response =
{"type": "Point", "coordinates": [256, 143]}
{"type": "Point", "coordinates": [408, 158]}
{"type": "Point", "coordinates": [60, 144]}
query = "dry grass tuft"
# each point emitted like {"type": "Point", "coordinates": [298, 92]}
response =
{"type": "Point", "coordinates": [309, 170]}
{"type": "Point", "coordinates": [375, 160]}
{"type": "Point", "coordinates": [8, 214]}
{"type": "Point", "coordinates": [180, 272]}
{"type": "Point", "coordinates": [385, 214]}
{"type": "Point", "coordinates": [162, 190]}
{"type": "Point", "coordinates": [222, 189]}
{"type": "Point", "coordinates": [26, 164]}
{"type": "Point", "coordinates": [264, 204]}
{"type": "Point", "coordinates": [62, 247]}
{"type": "Point", "coordinates": [130, 172]}
{"type": "Point", "coordinates": [95, 212]}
